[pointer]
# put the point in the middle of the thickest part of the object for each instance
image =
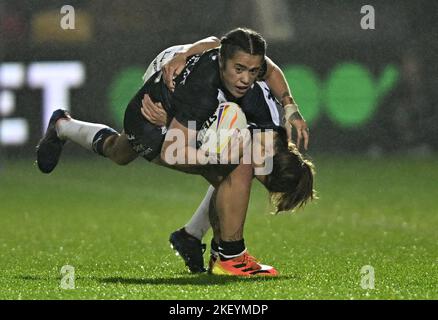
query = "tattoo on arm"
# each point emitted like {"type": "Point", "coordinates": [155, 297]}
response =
{"type": "Point", "coordinates": [286, 98]}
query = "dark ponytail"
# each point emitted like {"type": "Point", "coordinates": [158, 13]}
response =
{"type": "Point", "coordinates": [290, 183]}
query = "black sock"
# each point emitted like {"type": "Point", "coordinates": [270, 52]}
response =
{"type": "Point", "coordinates": [214, 246]}
{"type": "Point", "coordinates": [230, 248]}
{"type": "Point", "coordinates": [100, 137]}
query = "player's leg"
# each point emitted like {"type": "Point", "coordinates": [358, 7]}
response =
{"type": "Point", "coordinates": [227, 217]}
{"type": "Point", "coordinates": [231, 222]}
{"type": "Point", "coordinates": [118, 149]}
{"type": "Point", "coordinates": [99, 138]}
{"type": "Point", "coordinates": [231, 208]}
{"type": "Point", "coordinates": [92, 136]}
{"type": "Point", "coordinates": [199, 223]}
{"type": "Point", "coordinates": [187, 240]}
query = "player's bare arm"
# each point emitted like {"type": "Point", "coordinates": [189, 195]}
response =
{"type": "Point", "coordinates": [280, 88]}
{"type": "Point", "coordinates": [259, 139]}
{"type": "Point", "coordinates": [274, 77]}
{"type": "Point", "coordinates": [174, 67]}
{"type": "Point", "coordinates": [153, 111]}
{"type": "Point", "coordinates": [171, 146]}
{"type": "Point", "coordinates": [187, 147]}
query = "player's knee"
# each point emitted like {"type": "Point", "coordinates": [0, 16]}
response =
{"type": "Point", "coordinates": [114, 153]}
{"type": "Point", "coordinates": [122, 161]}
{"type": "Point", "coordinates": [108, 145]}
{"type": "Point", "coordinates": [120, 158]}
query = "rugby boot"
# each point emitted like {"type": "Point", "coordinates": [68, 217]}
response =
{"type": "Point", "coordinates": [244, 265]}
{"type": "Point", "coordinates": [50, 146]}
{"type": "Point", "coordinates": [189, 248]}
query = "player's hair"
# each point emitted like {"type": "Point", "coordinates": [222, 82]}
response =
{"type": "Point", "coordinates": [290, 183]}
{"type": "Point", "coordinates": [242, 39]}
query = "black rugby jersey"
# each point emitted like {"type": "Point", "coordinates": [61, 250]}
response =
{"type": "Point", "coordinates": [198, 93]}
{"type": "Point", "coordinates": [199, 90]}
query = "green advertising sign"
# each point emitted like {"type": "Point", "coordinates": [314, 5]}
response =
{"type": "Point", "coordinates": [123, 87]}
{"type": "Point", "coordinates": [349, 95]}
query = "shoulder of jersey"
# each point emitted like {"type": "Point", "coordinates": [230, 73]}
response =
{"type": "Point", "coordinates": [208, 58]}
{"type": "Point", "coordinates": [200, 68]}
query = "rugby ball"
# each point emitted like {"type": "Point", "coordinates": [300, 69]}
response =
{"type": "Point", "coordinates": [216, 132]}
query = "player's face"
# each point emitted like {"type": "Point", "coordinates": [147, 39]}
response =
{"type": "Point", "coordinates": [240, 72]}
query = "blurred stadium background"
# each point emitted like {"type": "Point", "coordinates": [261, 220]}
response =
{"type": "Point", "coordinates": [366, 94]}
{"type": "Point", "coordinates": [362, 91]}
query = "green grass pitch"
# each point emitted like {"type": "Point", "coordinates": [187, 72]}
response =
{"type": "Point", "coordinates": [112, 225]}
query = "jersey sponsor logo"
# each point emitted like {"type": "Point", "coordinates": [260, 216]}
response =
{"type": "Point", "coordinates": [209, 122]}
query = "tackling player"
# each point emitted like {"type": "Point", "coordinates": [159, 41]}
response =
{"type": "Point", "coordinates": [187, 240]}
{"type": "Point", "coordinates": [205, 80]}
{"type": "Point", "coordinates": [261, 111]}
{"type": "Point", "coordinates": [290, 187]}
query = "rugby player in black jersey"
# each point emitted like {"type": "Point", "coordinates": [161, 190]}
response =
{"type": "Point", "coordinates": [261, 111]}
{"type": "Point", "coordinates": [205, 81]}
{"type": "Point", "coordinates": [223, 76]}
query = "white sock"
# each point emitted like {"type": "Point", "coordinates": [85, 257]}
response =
{"type": "Point", "coordinates": [79, 132]}
{"type": "Point", "coordinates": [200, 221]}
